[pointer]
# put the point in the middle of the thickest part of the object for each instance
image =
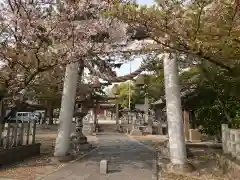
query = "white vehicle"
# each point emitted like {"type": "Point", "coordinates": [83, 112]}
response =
{"type": "Point", "coordinates": [25, 116]}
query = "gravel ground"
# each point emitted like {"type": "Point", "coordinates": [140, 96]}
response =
{"type": "Point", "coordinates": [204, 160]}
{"type": "Point", "coordinates": [172, 176]}
{"type": "Point", "coordinates": [32, 168]}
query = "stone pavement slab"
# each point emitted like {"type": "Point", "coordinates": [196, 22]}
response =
{"type": "Point", "coordinates": [128, 160]}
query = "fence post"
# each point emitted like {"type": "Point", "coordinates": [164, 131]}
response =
{"type": "Point", "coordinates": [225, 135]}
{"type": "Point", "coordinates": [8, 135]}
{"type": "Point", "coordinates": [12, 133]}
{"type": "Point", "coordinates": [238, 144]}
{"type": "Point", "coordinates": [33, 132]}
{"type": "Point", "coordinates": [21, 133]}
{"type": "Point", "coordinates": [1, 141]}
{"type": "Point", "coordinates": [233, 133]}
{"type": "Point", "coordinates": [15, 136]}
{"type": "Point", "coordinates": [28, 132]}
{"type": "Point", "coordinates": [2, 137]}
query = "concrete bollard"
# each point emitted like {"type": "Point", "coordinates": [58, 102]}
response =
{"type": "Point", "coordinates": [104, 166]}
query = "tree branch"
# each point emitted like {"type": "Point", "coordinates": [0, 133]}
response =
{"type": "Point", "coordinates": [199, 54]}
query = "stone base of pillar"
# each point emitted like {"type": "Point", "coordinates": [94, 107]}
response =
{"type": "Point", "coordinates": [165, 150]}
{"type": "Point", "coordinates": [67, 158]}
{"type": "Point", "coordinates": [181, 168]}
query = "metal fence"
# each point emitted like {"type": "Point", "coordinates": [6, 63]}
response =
{"type": "Point", "coordinates": [18, 133]}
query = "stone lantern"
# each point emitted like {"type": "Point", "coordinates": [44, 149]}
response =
{"type": "Point", "coordinates": [78, 139]}
{"type": "Point", "coordinates": [141, 82]}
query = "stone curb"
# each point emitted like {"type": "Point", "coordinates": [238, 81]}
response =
{"type": "Point", "coordinates": [70, 162]}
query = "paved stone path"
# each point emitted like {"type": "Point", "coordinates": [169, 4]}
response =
{"type": "Point", "coordinates": [128, 160]}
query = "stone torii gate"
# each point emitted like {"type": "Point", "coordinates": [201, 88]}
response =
{"type": "Point", "coordinates": [174, 115]}
{"type": "Point", "coordinates": [173, 104]}
{"type": "Point", "coordinates": [68, 100]}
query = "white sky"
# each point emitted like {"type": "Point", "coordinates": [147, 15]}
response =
{"type": "Point", "coordinates": [135, 64]}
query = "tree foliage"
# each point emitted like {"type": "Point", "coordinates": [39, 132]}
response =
{"type": "Point", "coordinates": [206, 29]}
{"type": "Point", "coordinates": [124, 95]}
{"type": "Point", "coordinates": [37, 36]}
{"type": "Point", "coordinates": [153, 88]}
{"type": "Point", "coordinates": [206, 32]}
{"type": "Point", "coordinates": [216, 99]}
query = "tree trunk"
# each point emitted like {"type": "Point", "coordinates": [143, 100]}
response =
{"type": "Point", "coordinates": [187, 125]}
{"type": "Point", "coordinates": [2, 114]}
{"type": "Point", "coordinates": [174, 111]}
{"type": "Point", "coordinates": [117, 116]}
{"type": "Point", "coordinates": [44, 118]}
{"type": "Point", "coordinates": [67, 108]}
{"type": "Point", "coordinates": [2, 108]}
{"type": "Point", "coordinates": [94, 113]}
{"type": "Point", "coordinates": [146, 108]}
{"type": "Point", "coordinates": [50, 113]}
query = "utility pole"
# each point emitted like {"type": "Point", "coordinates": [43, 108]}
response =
{"type": "Point", "coordinates": [129, 87]}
